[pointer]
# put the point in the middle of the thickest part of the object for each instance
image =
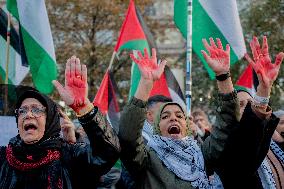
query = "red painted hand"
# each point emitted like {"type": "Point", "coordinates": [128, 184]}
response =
{"type": "Point", "coordinates": [218, 58]}
{"type": "Point", "coordinates": [148, 66]}
{"type": "Point", "coordinates": [75, 91]}
{"type": "Point", "coordinates": [266, 71]}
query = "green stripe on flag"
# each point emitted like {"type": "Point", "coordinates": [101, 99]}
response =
{"type": "Point", "coordinates": [200, 31]}
{"type": "Point", "coordinates": [13, 9]}
{"type": "Point", "coordinates": [42, 66]}
{"type": "Point", "coordinates": [3, 75]}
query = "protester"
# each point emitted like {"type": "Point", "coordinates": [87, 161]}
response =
{"type": "Point", "coordinates": [39, 158]}
{"type": "Point", "coordinates": [171, 159]}
{"type": "Point", "coordinates": [204, 127]}
{"type": "Point", "coordinates": [67, 127]}
{"type": "Point", "coordinates": [271, 171]}
{"type": "Point", "coordinates": [153, 105]}
{"type": "Point", "coordinates": [256, 119]}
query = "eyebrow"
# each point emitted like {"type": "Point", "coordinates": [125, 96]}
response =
{"type": "Point", "coordinates": [168, 112]}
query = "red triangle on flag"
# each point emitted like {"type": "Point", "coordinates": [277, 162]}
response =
{"type": "Point", "coordinates": [101, 99]}
{"type": "Point", "coordinates": [131, 28]}
{"type": "Point", "coordinates": [246, 79]}
{"type": "Point", "coordinates": [160, 87]}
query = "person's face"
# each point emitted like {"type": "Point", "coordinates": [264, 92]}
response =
{"type": "Point", "coordinates": [152, 111]}
{"type": "Point", "coordinates": [278, 135]}
{"type": "Point", "coordinates": [172, 122]}
{"type": "Point", "coordinates": [243, 98]}
{"type": "Point", "coordinates": [31, 120]}
{"type": "Point", "coordinates": [201, 122]}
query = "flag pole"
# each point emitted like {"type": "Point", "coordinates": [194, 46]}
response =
{"type": "Point", "coordinates": [111, 60]}
{"type": "Point", "coordinates": [7, 64]}
{"type": "Point", "coordinates": [188, 57]}
{"type": "Point", "coordinates": [7, 47]}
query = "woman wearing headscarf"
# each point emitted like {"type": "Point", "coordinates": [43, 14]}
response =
{"type": "Point", "coordinates": [173, 159]}
{"type": "Point", "coordinates": [38, 158]}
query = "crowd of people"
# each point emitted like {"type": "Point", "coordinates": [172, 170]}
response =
{"type": "Point", "coordinates": [158, 144]}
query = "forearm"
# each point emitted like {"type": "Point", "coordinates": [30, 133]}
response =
{"type": "Point", "coordinates": [103, 141]}
{"type": "Point", "coordinates": [130, 134]}
{"type": "Point", "coordinates": [227, 121]}
{"type": "Point", "coordinates": [144, 88]}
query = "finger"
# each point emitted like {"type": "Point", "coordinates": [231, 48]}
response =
{"type": "Point", "coordinates": [206, 45]}
{"type": "Point", "coordinates": [134, 58]}
{"type": "Point", "coordinates": [257, 45]}
{"type": "Point", "coordinates": [59, 87]}
{"type": "Point", "coordinates": [279, 58]}
{"type": "Point", "coordinates": [205, 56]}
{"type": "Point", "coordinates": [84, 73]}
{"type": "Point", "coordinates": [253, 50]}
{"type": "Point", "coordinates": [264, 50]}
{"type": "Point", "coordinates": [247, 57]}
{"type": "Point", "coordinates": [154, 54]}
{"type": "Point", "coordinates": [140, 54]}
{"type": "Point", "coordinates": [67, 72]}
{"type": "Point", "coordinates": [212, 43]}
{"type": "Point", "coordinates": [72, 67]}
{"type": "Point", "coordinates": [228, 49]}
{"type": "Point", "coordinates": [77, 68]}
{"type": "Point", "coordinates": [219, 43]}
{"type": "Point", "coordinates": [161, 67]}
{"type": "Point", "coordinates": [146, 55]}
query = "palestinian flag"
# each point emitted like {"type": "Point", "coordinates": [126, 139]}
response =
{"type": "Point", "coordinates": [17, 66]}
{"type": "Point", "coordinates": [35, 29]}
{"type": "Point", "coordinates": [217, 19]}
{"type": "Point", "coordinates": [135, 35]}
{"type": "Point", "coordinates": [247, 81]}
{"type": "Point", "coordinates": [106, 100]}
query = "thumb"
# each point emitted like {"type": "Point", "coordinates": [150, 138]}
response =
{"type": "Point", "coordinates": [58, 87]}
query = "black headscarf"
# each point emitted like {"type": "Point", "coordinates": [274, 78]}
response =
{"type": "Point", "coordinates": [46, 151]}
{"type": "Point", "coordinates": [51, 137]}
{"type": "Point", "coordinates": [52, 126]}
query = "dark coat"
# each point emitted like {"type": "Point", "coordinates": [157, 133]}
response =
{"type": "Point", "coordinates": [80, 165]}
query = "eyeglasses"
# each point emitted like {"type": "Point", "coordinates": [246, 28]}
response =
{"type": "Point", "coordinates": [36, 110]}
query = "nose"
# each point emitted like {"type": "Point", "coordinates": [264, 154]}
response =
{"type": "Point", "coordinates": [29, 114]}
{"type": "Point", "coordinates": [173, 117]}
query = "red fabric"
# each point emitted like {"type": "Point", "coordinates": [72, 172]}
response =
{"type": "Point", "coordinates": [105, 95]}
{"type": "Point", "coordinates": [131, 28]}
{"type": "Point", "coordinates": [22, 166]}
{"type": "Point", "coordinates": [160, 87]}
{"type": "Point", "coordinates": [246, 79]}
{"type": "Point", "coordinates": [101, 98]}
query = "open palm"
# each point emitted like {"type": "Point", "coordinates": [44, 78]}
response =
{"type": "Point", "coordinates": [75, 91]}
{"type": "Point", "coordinates": [266, 71]}
{"type": "Point", "coordinates": [148, 66]}
{"type": "Point", "coordinates": [218, 58]}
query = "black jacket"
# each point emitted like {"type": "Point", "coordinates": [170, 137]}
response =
{"type": "Point", "coordinates": [80, 165]}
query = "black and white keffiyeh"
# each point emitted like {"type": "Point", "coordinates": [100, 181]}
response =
{"type": "Point", "coordinates": [183, 157]}
{"type": "Point", "coordinates": [265, 172]}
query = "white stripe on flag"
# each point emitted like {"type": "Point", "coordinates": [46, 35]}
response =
{"type": "Point", "coordinates": [225, 15]}
{"type": "Point", "coordinates": [34, 18]}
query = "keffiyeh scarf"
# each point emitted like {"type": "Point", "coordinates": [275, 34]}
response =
{"type": "Point", "coordinates": [182, 157]}
{"type": "Point", "coordinates": [265, 172]}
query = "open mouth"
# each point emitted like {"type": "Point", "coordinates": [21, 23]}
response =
{"type": "Point", "coordinates": [30, 126]}
{"type": "Point", "coordinates": [174, 130]}
{"type": "Point", "coordinates": [282, 134]}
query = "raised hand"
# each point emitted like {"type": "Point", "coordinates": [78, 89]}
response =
{"type": "Point", "coordinates": [218, 58]}
{"type": "Point", "coordinates": [148, 66]}
{"type": "Point", "coordinates": [67, 128]}
{"type": "Point", "coordinates": [266, 71]}
{"type": "Point", "coordinates": [75, 91]}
